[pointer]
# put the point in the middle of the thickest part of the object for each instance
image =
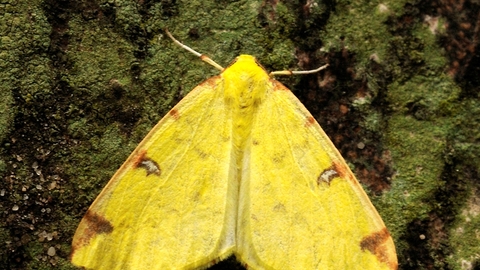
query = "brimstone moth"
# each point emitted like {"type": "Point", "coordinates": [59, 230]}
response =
{"type": "Point", "coordinates": [238, 166]}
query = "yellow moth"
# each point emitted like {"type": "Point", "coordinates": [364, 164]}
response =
{"type": "Point", "coordinates": [239, 166]}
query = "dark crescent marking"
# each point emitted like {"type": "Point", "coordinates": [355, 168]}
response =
{"type": "Point", "coordinates": [327, 175]}
{"type": "Point", "coordinates": [150, 165]}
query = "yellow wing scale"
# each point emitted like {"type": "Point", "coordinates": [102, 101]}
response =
{"type": "Point", "coordinates": [240, 167]}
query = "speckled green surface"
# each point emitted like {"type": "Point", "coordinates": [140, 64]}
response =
{"type": "Point", "coordinates": [83, 82]}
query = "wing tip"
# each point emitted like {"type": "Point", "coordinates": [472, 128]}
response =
{"type": "Point", "coordinates": [381, 245]}
{"type": "Point", "coordinates": [91, 225]}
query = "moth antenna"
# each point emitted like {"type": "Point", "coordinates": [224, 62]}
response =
{"type": "Point", "coordinates": [204, 58]}
{"type": "Point", "coordinates": [297, 72]}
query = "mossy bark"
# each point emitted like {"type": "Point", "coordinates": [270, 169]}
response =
{"type": "Point", "coordinates": [84, 81]}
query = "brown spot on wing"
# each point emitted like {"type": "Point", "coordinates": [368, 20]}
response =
{"type": "Point", "coordinates": [340, 168]}
{"type": "Point", "coordinates": [139, 158]}
{"type": "Point", "coordinates": [377, 243]}
{"type": "Point", "coordinates": [174, 114]}
{"type": "Point", "coordinates": [97, 224]}
{"type": "Point", "coordinates": [91, 225]}
{"type": "Point", "coordinates": [344, 172]}
{"type": "Point", "coordinates": [144, 162]}
{"type": "Point", "coordinates": [310, 121]}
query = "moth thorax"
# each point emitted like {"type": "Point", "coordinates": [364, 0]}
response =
{"type": "Point", "coordinates": [245, 111]}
